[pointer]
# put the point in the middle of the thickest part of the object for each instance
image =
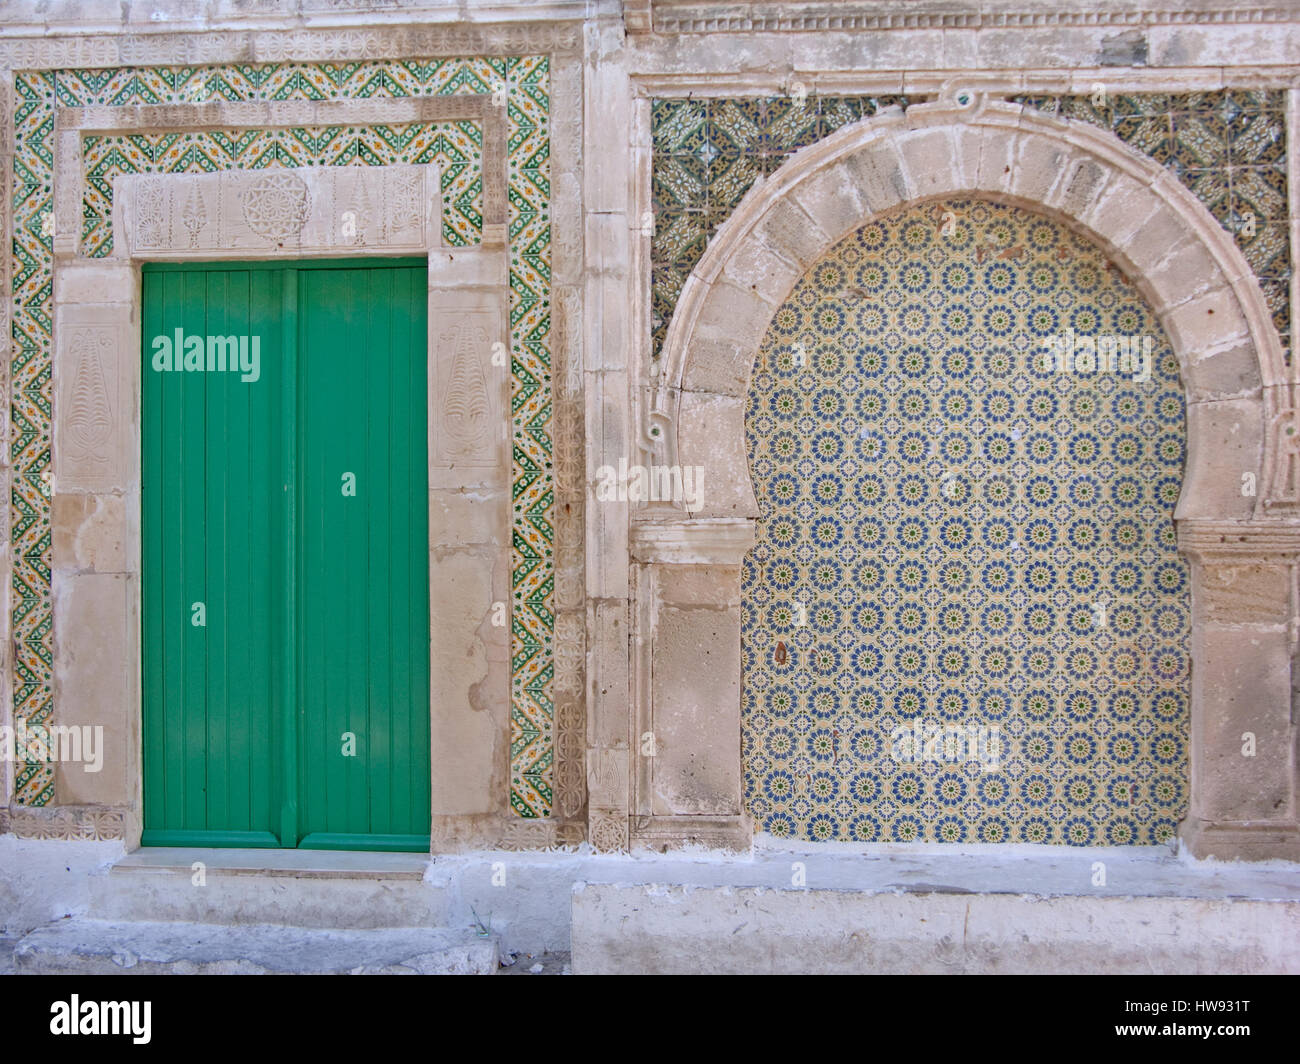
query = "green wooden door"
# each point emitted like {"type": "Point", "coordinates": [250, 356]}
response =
{"type": "Point", "coordinates": [285, 555]}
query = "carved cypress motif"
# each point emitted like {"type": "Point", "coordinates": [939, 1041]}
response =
{"type": "Point", "coordinates": [194, 215]}
{"type": "Point", "coordinates": [407, 210]}
{"type": "Point", "coordinates": [465, 407]}
{"type": "Point", "coordinates": [90, 419]}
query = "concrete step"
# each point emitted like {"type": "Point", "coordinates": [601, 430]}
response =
{"type": "Point", "coordinates": [296, 888]}
{"type": "Point", "coordinates": [670, 930]}
{"type": "Point", "coordinates": [82, 946]}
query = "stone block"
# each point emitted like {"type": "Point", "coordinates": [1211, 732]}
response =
{"type": "Point", "coordinates": [756, 267]}
{"type": "Point", "coordinates": [929, 158]}
{"type": "Point", "coordinates": [698, 929]}
{"type": "Point", "coordinates": [696, 715]}
{"type": "Point", "coordinates": [470, 692]}
{"type": "Point", "coordinates": [93, 531]}
{"type": "Point", "coordinates": [468, 518]}
{"type": "Point", "coordinates": [95, 619]}
{"type": "Point", "coordinates": [998, 149]}
{"type": "Point", "coordinates": [831, 198]}
{"type": "Point", "coordinates": [790, 230]}
{"type": "Point", "coordinates": [1037, 167]}
{"type": "Point", "coordinates": [1161, 234]}
{"type": "Point", "coordinates": [95, 281]}
{"type": "Point", "coordinates": [719, 364]}
{"type": "Point", "coordinates": [607, 720]}
{"type": "Point", "coordinates": [1080, 187]}
{"type": "Point", "coordinates": [699, 585]}
{"type": "Point", "coordinates": [711, 435]}
{"type": "Point", "coordinates": [1209, 321]}
{"type": "Point", "coordinates": [1243, 754]}
{"type": "Point", "coordinates": [1120, 212]}
{"type": "Point", "coordinates": [880, 178]}
{"type": "Point", "coordinates": [1224, 440]}
{"type": "Point", "coordinates": [1185, 271]}
{"type": "Point", "coordinates": [1223, 373]}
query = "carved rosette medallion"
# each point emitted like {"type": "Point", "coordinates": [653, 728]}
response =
{"type": "Point", "coordinates": [276, 205]}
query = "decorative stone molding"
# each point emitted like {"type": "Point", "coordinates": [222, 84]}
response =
{"type": "Point", "coordinates": [1281, 479]}
{"type": "Point", "coordinates": [637, 15]}
{"type": "Point", "coordinates": [669, 832]}
{"type": "Point", "coordinates": [608, 830]}
{"type": "Point", "coordinates": [208, 44]}
{"type": "Point", "coordinates": [1194, 277]}
{"type": "Point", "coordinates": [710, 16]}
{"type": "Point", "coordinates": [309, 211]}
{"type": "Point", "coordinates": [716, 541]}
{"type": "Point", "coordinates": [69, 824]}
{"type": "Point", "coordinates": [1245, 649]}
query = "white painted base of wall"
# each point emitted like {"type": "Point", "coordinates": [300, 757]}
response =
{"type": "Point", "coordinates": [912, 908]}
{"type": "Point", "coordinates": [46, 879]}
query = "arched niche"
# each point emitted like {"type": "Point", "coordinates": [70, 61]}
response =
{"type": "Point", "coordinates": [1233, 519]}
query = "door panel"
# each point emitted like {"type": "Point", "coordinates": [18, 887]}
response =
{"type": "Point", "coordinates": [316, 602]}
{"type": "Point", "coordinates": [208, 476]}
{"type": "Point", "coordinates": [365, 575]}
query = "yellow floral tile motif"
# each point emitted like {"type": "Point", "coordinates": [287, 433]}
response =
{"type": "Point", "coordinates": [965, 619]}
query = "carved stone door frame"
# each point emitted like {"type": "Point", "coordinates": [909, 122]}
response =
{"type": "Point", "coordinates": [258, 215]}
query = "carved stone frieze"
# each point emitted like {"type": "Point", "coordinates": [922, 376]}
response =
{"type": "Point", "coordinates": [607, 830]}
{"type": "Point", "coordinates": [67, 823]}
{"type": "Point", "coordinates": [278, 45]}
{"type": "Point", "coordinates": [309, 210]}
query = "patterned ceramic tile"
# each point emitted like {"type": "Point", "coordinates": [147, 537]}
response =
{"type": "Point", "coordinates": [457, 147]}
{"type": "Point", "coordinates": [1229, 148]}
{"type": "Point", "coordinates": [707, 155]}
{"type": "Point", "coordinates": [955, 533]}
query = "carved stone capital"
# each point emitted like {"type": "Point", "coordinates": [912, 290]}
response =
{"type": "Point", "coordinates": [1229, 542]}
{"type": "Point", "coordinates": [694, 541]}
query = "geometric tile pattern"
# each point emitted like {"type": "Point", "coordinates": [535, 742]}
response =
{"type": "Point", "coordinates": [457, 147]}
{"type": "Point", "coordinates": [953, 532]}
{"type": "Point", "coordinates": [706, 155]}
{"type": "Point", "coordinates": [1229, 148]}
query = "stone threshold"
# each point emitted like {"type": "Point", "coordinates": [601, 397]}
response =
{"type": "Point", "coordinates": [299, 864]}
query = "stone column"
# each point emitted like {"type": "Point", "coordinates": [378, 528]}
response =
{"type": "Point", "coordinates": [686, 682]}
{"type": "Point", "coordinates": [1244, 735]}
{"type": "Point", "coordinates": [609, 289]}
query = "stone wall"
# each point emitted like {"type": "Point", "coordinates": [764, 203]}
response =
{"type": "Point", "coordinates": [635, 605]}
